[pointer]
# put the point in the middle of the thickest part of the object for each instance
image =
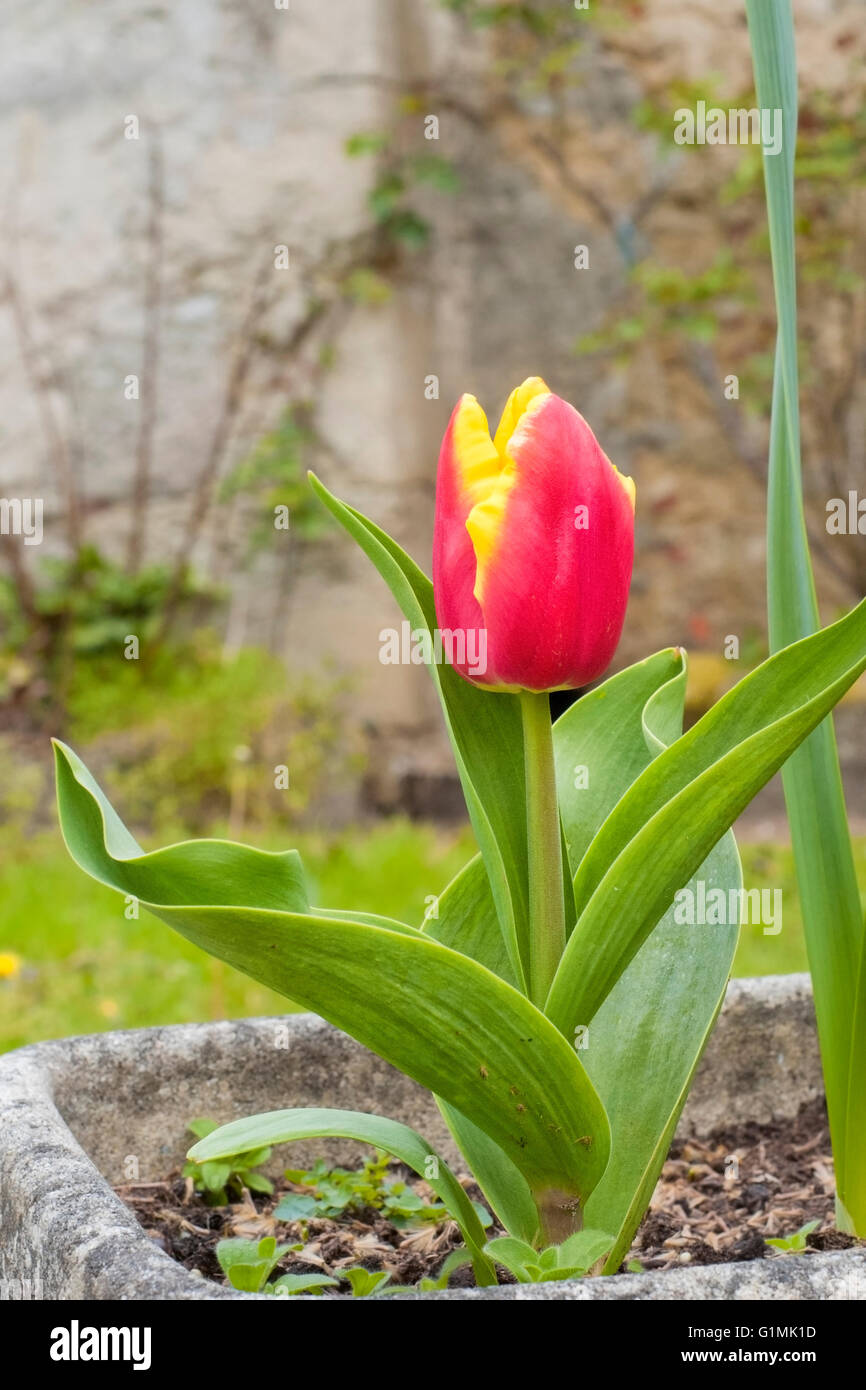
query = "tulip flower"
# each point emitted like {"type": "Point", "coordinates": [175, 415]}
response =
{"type": "Point", "coordinates": [532, 554]}
{"type": "Point", "coordinates": [533, 543]}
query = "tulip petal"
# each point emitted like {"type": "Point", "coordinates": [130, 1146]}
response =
{"type": "Point", "coordinates": [553, 540]}
{"type": "Point", "coordinates": [520, 399]}
{"type": "Point", "coordinates": [485, 521]}
{"type": "Point", "coordinates": [468, 467]}
{"type": "Point", "coordinates": [477, 462]}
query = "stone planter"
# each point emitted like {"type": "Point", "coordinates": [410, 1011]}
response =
{"type": "Point", "coordinates": [82, 1113]}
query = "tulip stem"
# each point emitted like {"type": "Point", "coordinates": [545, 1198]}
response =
{"type": "Point", "coordinates": [546, 899]}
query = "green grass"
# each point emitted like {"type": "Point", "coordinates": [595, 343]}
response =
{"type": "Point", "coordinates": [772, 866]}
{"type": "Point", "coordinates": [85, 968]}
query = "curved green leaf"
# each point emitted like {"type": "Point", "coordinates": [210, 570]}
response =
{"type": "Point", "coordinates": [465, 913]}
{"type": "Point", "coordinates": [286, 1126]}
{"type": "Point", "coordinates": [645, 1042]}
{"type": "Point", "coordinates": [372, 919]}
{"type": "Point", "coordinates": [466, 921]}
{"type": "Point", "coordinates": [665, 825]}
{"type": "Point", "coordinates": [289, 1284]}
{"type": "Point", "coordinates": [486, 732]}
{"type": "Point", "coordinates": [501, 1181]}
{"type": "Point", "coordinates": [203, 871]}
{"type": "Point", "coordinates": [444, 1020]}
{"type": "Point", "coordinates": [600, 743]}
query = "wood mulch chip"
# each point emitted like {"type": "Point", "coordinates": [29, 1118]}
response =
{"type": "Point", "coordinates": [719, 1198]}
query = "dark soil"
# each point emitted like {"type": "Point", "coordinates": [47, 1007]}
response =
{"type": "Point", "coordinates": [718, 1199]}
{"type": "Point", "coordinates": [179, 1221]}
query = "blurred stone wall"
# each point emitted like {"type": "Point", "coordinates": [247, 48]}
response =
{"type": "Point", "coordinates": [251, 106]}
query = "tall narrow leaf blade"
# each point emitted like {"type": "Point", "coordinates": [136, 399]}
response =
{"type": "Point", "coordinates": [499, 1178]}
{"type": "Point", "coordinates": [601, 746]}
{"type": "Point", "coordinates": [812, 781]}
{"type": "Point", "coordinates": [465, 919]}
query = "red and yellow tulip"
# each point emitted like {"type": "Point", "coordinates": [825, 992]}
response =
{"type": "Point", "coordinates": [533, 542]}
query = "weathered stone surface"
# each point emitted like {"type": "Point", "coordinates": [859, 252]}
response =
{"type": "Point", "coordinates": [765, 1049]}
{"type": "Point", "coordinates": [820, 1277]}
{"type": "Point", "coordinates": [74, 1114]}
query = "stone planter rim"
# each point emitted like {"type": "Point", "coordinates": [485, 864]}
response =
{"type": "Point", "coordinates": [72, 1237]}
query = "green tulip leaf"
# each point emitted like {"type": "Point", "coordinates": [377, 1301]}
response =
{"type": "Point", "coordinates": [670, 818]}
{"type": "Point", "coordinates": [465, 919]}
{"type": "Point", "coordinates": [202, 871]}
{"type": "Point", "coordinates": [442, 1018]}
{"type": "Point", "coordinates": [814, 794]}
{"type": "Point", "coordinates": [290, 1284]}
{"type": "Point", "coordinates": [644, 1045]}
{"type": "Point", "coordinates": [499, 1178]}
{"type": "Point", "coordinates": [486, 732]}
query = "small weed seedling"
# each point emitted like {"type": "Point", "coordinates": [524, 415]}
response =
{"type": "Point", "coordinates": [333, 1191]}
{"type": "Point", "coordinates": [218, 1178]}
{"type": "Point", "coordinates": [570, 1260]}
{"type": "Point", "coordinates": [795, 1243]}
{"type": "Point", "coordinates": [249, 1264]}
{"type": "Point", "coordinates": [366, 1283]}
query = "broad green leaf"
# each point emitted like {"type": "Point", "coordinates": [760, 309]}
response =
{"type": "Point", "coordinates": [247, 1264]}
{"type": "Point", "coordinates": [215, 1176]}
{"type": "Point", "coordinates": [237, 1250]}
{"type": "Point", "coordinates": [823, 853]}
{"type": "Point", "coordinates": [679, 807]}
{"type": "Point", "coordinates": [365, 1282]}
{"type": "Point", "coordinates": [584, 1248]}
{"type": "Point", "coordinates": [295, 1206]}
{"type": "Point", "coordinates": [202, 1127]}
{"type": "Point", "coordinates": [286, 1126]}
{"type": "Point", "coordinates": [256, 1183]}
{"type": "Point", "coordinates": [201, 871]}
{"type": "Point", "coordinates": [440, 1017]}
{"type": "Point", "coordinates": [599, 741]}
{"type": "Point", "coordinates": [516, 1255]}
{"type": "Point", "coordinates": [371, 918]}
{"type": "Point", "coordinates": [646, 1040]}
{"type": "Point", "coordinates": [573, 1257]}
{"type": "Point", "coordinates": [466, 920]}
{"type": "Point", "coordinates": [795, 1242]}
{"type": "Point", "coordinates": [644, 1043]}
{"type": "Point", "coordinates": [486, 732]}
{"type": "Point", "coordinates": [499, 1178]}
{"type": "Point", "coordinates": [249, 1160]}
{"type": "Point", "coordinates": [249, 1278]}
